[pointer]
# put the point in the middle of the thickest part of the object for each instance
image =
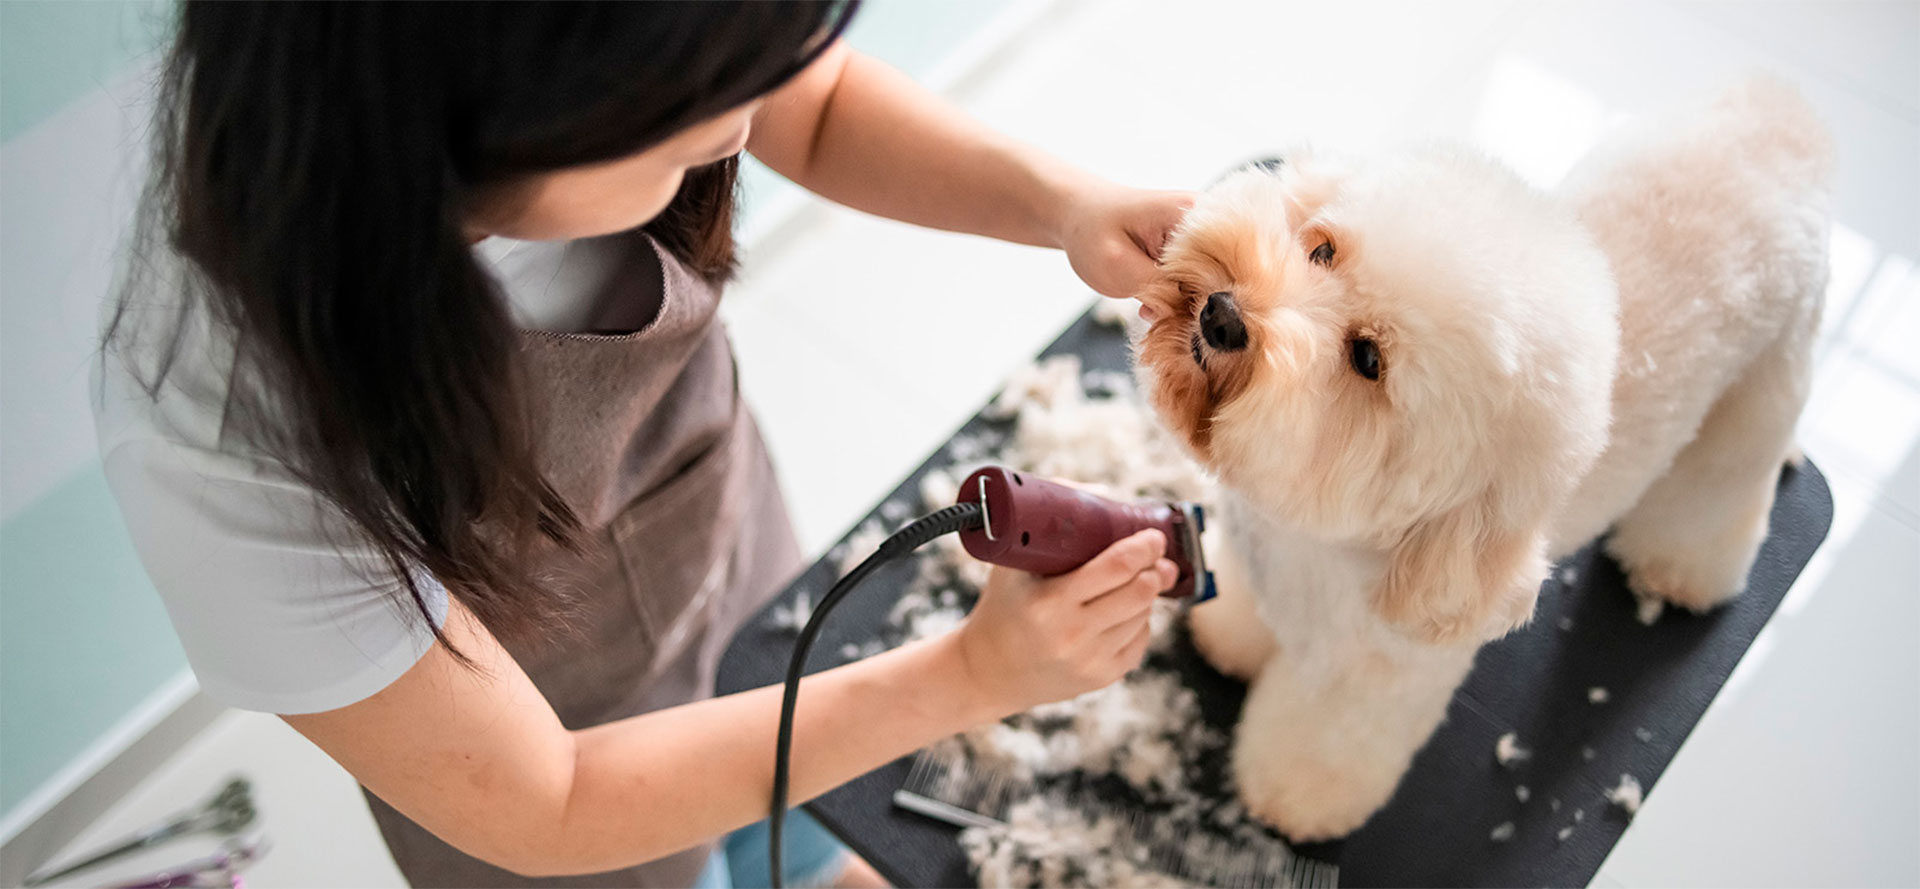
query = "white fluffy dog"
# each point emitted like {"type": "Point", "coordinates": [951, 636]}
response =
{"type": "Point", "coordinates": [1420, 380]}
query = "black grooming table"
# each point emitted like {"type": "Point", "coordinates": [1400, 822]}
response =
{"type": "Point", "coordinates": [1436, 830]}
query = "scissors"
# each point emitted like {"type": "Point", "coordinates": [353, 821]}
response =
{"type": "Point", "coordinates": [227, 812]}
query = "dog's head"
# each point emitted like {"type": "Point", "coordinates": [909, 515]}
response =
{"type": "Point", "coordinates": [1414, 355]}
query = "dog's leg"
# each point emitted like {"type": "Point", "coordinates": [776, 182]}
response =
{"type": "Point", "coordinates": [1316, 761]}
{"type": "Point", "coordinates": [1228, 630]}
{"type": "Point", "coordinates": [1693, 536]}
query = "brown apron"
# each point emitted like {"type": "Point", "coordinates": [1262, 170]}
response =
{"type": "Point", "coordinates": [646, 437]}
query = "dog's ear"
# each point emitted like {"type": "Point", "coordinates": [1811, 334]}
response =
{"type": "Point", "coordinates": [1312, 180]}
{"type": "Point", "coordinates": [1462, 576]}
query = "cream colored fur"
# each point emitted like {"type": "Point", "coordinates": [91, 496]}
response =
{"type": "Point", "coordinates": [1627, 353]}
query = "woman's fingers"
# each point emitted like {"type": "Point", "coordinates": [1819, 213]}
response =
{"type": "Point", "coordinates": [1157, 218]}
{"type": "Point", "coordinates": [1129, 599]}
{"type": "Point", "coordinates": [1126, 268]}
{"type": "Point", "coordinates": [1136, 647]}
{"type": "Point", "coordinates": [1111, 636]}
{"type": "Point", "coordinates": [1115, 566]}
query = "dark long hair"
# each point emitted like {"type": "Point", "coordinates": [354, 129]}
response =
{"type": "Point", "coordinates": [314, 162]}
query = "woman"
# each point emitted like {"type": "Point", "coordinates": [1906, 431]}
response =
{"type": "Point", "coordinates": [419, 414]}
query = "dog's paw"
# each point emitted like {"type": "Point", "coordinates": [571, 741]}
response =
{"type": "Point", "coordinates": [1665, 582]}
{"type": "Point", "coordinates": [1306, 797]}
{"type": "Point", "coordinates": [1698, 567]}
{"type": "Point", "coordinates": [1304, 804]}
{"type": "Point", "coordinates": [1698, 579]}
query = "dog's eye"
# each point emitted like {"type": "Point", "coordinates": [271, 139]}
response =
{"type": "Point", "coordinates": [1364, 355]}
{"type": "Point", "coordinates": [1323, 254]}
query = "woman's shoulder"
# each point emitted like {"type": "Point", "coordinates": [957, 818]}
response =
{"type": "Point", "coordinates": [279, 606]}
{"type": "Point", "coordinates": [165, 365]}
{"type": "Point", "coordinates": [162, 391]}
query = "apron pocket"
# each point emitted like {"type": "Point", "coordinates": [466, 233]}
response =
{"type": "Point", "coordinates": [675, 547]}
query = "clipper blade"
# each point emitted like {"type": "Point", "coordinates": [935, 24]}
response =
{"type": "Point", "coordinates": [1192, 555]}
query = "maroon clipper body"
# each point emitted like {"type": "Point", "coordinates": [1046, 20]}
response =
{"type": "Point", "coordinates": [1048, 528]}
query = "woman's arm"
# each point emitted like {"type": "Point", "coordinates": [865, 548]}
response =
{"type": "Point", "coordinates": [855, 130]}
{"type": "Point", "coordinates": [479, 758]}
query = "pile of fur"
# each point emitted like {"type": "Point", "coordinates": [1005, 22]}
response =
{"type": "Point", "coordinates": [1049, 843]}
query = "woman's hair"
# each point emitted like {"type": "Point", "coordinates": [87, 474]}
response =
{"type": "Point", "coordinates": [314, 163]}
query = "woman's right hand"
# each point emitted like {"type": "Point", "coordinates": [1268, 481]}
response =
{"type": "Point", "coordinates": [1032, 639]}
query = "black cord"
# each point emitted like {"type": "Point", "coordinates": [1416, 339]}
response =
{"type": "Point", "coordinates": [958, 517]}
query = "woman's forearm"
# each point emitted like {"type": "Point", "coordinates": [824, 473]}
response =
{"type": "Point", "coordinates": [474, 753]}
{"type": "Point", "coordinates": [859, 132]}
{"type": "Point", "coordinates": [656, 783]}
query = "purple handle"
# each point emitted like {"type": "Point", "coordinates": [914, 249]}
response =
{"type": "Point", "coordinates": [1048, 528]}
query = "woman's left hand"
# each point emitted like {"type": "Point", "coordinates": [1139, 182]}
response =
{"type": "Point", "coordinates": [1113, 234]}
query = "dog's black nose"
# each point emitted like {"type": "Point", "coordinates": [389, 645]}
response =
{"type": "Point", "coordinates": [1220, 323]}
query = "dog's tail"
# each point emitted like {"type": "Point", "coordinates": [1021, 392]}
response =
{"type": "Point", "coordinates": [1768, 123]}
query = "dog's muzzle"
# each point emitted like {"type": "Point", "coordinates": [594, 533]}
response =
{"type": "Point", "coordinates": [1220, 323]}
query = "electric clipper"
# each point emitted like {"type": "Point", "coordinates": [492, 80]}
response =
{"type": "Point", "coordinates": [1048, 528]}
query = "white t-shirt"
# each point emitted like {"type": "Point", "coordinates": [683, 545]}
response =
{"type": "Point", "coordinates": [279, 605]}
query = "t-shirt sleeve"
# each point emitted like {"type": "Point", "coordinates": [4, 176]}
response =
{"type": "Point", "coordinates": [278, 610]}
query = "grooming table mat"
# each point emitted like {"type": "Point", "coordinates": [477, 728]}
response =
{"type": "Point", "coordinates": [1437, 829]}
